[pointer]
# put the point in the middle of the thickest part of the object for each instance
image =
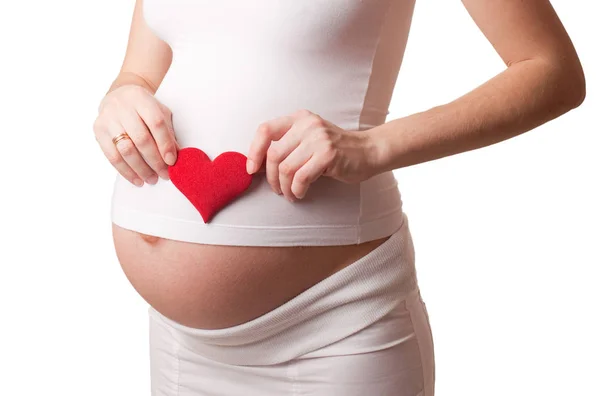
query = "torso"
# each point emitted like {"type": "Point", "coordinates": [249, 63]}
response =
{"type": "Point", "coordinates": [237, 64]}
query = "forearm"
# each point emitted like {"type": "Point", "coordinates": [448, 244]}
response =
{"type": "Point", "coordinates": [524, 96]}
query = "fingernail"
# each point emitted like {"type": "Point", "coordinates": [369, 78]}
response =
{"type": "Point", "coordinates": [170, 158]}
{"type": "Point", "coordinates": [250, 166]}
{"type": "Point", "coordinates": [138, 182]}
{"type": "Point", "coordinates": [152, 179]}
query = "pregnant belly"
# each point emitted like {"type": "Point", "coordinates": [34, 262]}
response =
{"type": "Point", "coordinates": [215, 286]}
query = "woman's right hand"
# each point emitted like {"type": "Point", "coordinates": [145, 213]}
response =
{"type": "Point", "coordinates": [152, 145]}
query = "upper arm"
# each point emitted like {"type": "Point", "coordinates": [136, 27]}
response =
{"type": "Point", "coordinates": [525, 29]}
{"type": "Point", "coordinates": [147, 55]}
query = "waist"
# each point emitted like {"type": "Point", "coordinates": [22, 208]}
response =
{"type": "Point", "coordinates": [332, 213]}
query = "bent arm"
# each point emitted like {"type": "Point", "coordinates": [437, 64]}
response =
{"type": "Point", "coordinates": [543, 80]}
{"type": "Point", "coordinates": [147, 58]}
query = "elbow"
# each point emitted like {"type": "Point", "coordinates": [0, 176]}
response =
{"type": "Point", "coordinates": [580, 91]}
{"type": "Point", "coordinates": [573, 85]}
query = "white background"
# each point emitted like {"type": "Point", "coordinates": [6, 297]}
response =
{"type": "Point", "coordinates": [506, 236]}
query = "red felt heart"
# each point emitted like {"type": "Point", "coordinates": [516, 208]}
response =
{"type": "Point", "coordinates": [209, 185]}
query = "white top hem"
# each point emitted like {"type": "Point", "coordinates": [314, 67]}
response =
{"type": "Point", "coordinates": [234, 235]}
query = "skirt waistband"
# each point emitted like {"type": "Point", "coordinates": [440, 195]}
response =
{"type": "Point", "coordinates": [338, 306]}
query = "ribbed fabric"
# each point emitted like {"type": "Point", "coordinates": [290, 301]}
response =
{"type": "Point", "coordinates": [340, 305]}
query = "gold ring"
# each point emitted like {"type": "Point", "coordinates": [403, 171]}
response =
{"type": "Point", "coordinates": [119, 137]}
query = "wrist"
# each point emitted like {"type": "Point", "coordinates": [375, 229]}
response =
{"type": "Point", "coordinates": [127, 79]}
{"type": "Point", "coordinates": [130, 78]}
{"type": "Point", "coordinates": [377, 151]}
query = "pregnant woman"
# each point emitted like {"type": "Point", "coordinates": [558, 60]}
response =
{"type": "Point", "coordinates": [286, 266]}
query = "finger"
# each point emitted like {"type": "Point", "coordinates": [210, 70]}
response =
{"type": "Point", "coordinates": [266, 133]}
{"type": "Point", "coordinates": [289, 166]}
{"type": "Point", "coordinates": [130, 154]}
{"type": "Point", "coordinates": [278, 151]}
{"type": "Point", "coordinates": [160, 127]}
{"type": "Point", "coordinates": [272, 171]}
{"type": "Point", "coordinates": [263, 168]}
{"type": "Point", "coordinates": [143, 140]}
{"type": "Point", "coordinates": [116, 160]}
{"type": "Point", "coordinates": [308, 174]}
{"type": "Point", "coordinates": [167, 112]}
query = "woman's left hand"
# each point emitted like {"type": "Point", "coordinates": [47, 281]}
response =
{"type": "Point", "coordinates": [301, 147]}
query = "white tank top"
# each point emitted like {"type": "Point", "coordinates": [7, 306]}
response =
{"type": "Point", "coordinates": [238, 63]}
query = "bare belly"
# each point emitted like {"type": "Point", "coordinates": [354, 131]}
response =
{"type": "Point", "coordinates": [214, 286]}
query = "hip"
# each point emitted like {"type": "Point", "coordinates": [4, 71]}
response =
{"type": "Point", "coordinates": [363, 329]}
{"type": "Point", "coordinates": [392, 356]}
